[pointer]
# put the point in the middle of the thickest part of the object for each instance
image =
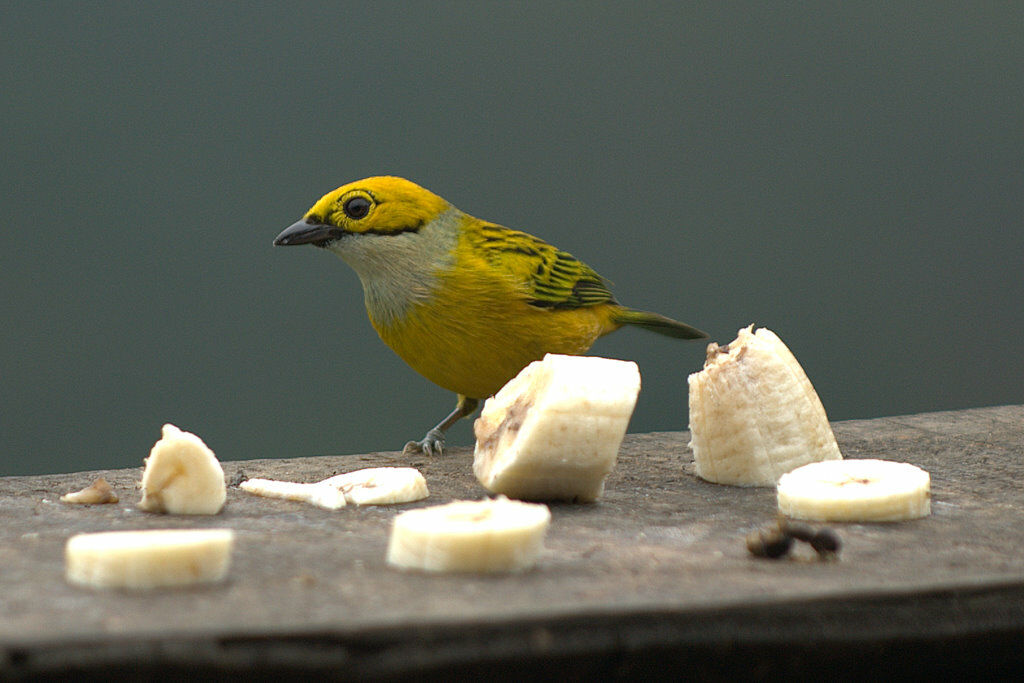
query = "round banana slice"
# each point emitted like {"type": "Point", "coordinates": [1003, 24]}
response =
{"type": "Point", "coordinates": [496, 535]}
{"type": "Point", "coordinates": [141, 560]}
{"type": "Point", "coordinates": [855, 491]}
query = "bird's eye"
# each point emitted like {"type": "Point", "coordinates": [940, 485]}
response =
{"type": "Point", "coordinates": [356, 208]}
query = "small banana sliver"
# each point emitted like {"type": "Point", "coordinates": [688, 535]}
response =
{"type": "Point", "coordinates": [553, 432]}
{"type": "Point", "coordinates": [318, 494]}
{"type": "Point", "coordinates": [855, 491]}
{"type": "Point", "coordinates": [490, 535]}
{"type": "Point", "coordinates": [142, 560]}
{"type": "Point", "coordinates": [754, 415]}
{"type": "Point", "coordinates": [97, 493]}
{"type": "Point", "coordinates": [182, 476]}
{"type": "Point", "coordinates": [370, 486]}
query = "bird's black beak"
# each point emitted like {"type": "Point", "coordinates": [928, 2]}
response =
{"type": "Point", "coordinates": [304, 232]}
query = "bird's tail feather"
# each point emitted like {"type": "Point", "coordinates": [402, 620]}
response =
{"type": "Point", "coordinates": [657, 323]}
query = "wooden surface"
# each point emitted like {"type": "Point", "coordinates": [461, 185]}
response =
{"type": "Point", "coordinates": [653, 579]}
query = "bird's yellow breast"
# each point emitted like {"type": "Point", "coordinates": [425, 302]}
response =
{"type": "Point", "coordinates": [476, 330]}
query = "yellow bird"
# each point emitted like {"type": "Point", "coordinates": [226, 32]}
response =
{"type": "Point", "coordinates": [466, 303]}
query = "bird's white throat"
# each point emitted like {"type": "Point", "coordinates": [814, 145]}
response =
{"type": "Point", "coordinates": [398, 271]}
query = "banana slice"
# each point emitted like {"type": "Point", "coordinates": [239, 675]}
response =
{"type": "Point", "coordinates": [381, 485]}
{"type": "Point", "coordinates": [753, 413]}
{"type": "Point", "coordinates": [553, 432]}
{"type": "Point", "coordinates": [182, 476]}
{"type": "Point", "coordinates": [855, 491]}
{"type": "Point", "coordinates": [320, 494]}
{"type": "Point", "coordinates": [142, 560]}
{"type": "Point", "coordinates": [497, 535]}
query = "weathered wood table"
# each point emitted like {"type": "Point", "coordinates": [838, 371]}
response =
{"type": "Point", "coordinates": [652, 580]}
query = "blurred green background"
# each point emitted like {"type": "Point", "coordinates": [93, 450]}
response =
{"type": "Point", "coordinates": [850, 175]}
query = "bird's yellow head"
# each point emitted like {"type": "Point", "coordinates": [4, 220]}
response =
{"type": "Point", "coordinates": [381, 205]}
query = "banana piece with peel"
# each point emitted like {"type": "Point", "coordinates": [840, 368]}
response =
{"type": "Point", "coordinates": [142, 560]}
{"type": "Point", "coordinates": [855, 491]}
{"type": "Point", "coordinates": [490, 535]}
{"type": "Point", "coordinates": [182, 476]}
{"type": "Point", "coordinates": [553, 432]}
{"type": "Point", "coordinates": [753, 413]}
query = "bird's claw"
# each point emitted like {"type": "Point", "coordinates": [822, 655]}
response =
{"type": "Point", "coordinates": [431, 445]}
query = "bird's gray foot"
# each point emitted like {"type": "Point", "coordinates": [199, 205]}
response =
{"type": "Point", "coordinates": [432, 444]}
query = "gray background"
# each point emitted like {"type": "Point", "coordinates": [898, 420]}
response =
{"type": "Point", "coordinates": [849, 175]}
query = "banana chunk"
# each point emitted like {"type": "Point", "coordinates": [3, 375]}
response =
{"type": "Point", "coordinates": [381, 485]}
{"type": "Point", "coordinates": [855, 491]}
{"type": "Point", "coordinates": [142, 560]}
{"type": "Point", "coordinates": [753, 413]}
{"type": "Point", "coordinates": [497, 535]}
{"type": "Point", "coordinates": [553, 432]}
{"type": "Point", "coordinates": [182, 476]}
{"type": "Point", "coordinates": [319, 494]}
